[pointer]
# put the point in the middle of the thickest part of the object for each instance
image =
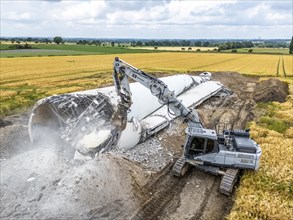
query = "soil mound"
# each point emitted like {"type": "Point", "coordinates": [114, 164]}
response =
{"type": "Point", "coordinates": [271, 90]}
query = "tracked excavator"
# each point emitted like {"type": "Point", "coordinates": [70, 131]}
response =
{"type": "Point", "coordinates": [220, 154]}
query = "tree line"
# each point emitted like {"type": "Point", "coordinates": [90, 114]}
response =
{"type": "Point", "coordinates": [170, 43]}
{"type": "Point", "coordinates": [220, 44]}
{"type": "Point", "coordinates": [18, 40]}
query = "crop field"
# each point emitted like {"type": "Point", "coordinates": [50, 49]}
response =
{"type": "Point", "coordinates": [177, 48]}
{"type": "Point", "coordinates": [262, 50]}
{"type": "Point", "coordinates": [40, 49]}
{"type": "Point", "coordinates": [65, 50]}
{"type": "Point", "coordinates": [40, 52]}
{"type": "Point", "coordinates": [23, 80]}
{"type": "Point", "coordinates": [268, 193]}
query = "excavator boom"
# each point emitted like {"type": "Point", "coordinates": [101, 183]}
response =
{"type": "Point", "coordinates": [121, 74]}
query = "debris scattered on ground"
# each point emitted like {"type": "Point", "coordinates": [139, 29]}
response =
{"type": "Point", "coordinates": [149, 154]}
{"type": "Point", "coordinates": [42, 181]}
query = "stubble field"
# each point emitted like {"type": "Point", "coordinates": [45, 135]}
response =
{"type": "Point", "coordinates": [26, 79]}
{"type": "Point", "coordinates": [268, 193]}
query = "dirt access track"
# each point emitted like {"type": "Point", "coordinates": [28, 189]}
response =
{"type": "Point", "coordinates": [42, 181]}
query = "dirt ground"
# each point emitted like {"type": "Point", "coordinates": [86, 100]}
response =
{"type": "Point", "coordinates": [42, 181]}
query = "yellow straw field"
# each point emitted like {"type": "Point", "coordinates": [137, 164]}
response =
{"type": "Point", "coordinates": [23, 80]}
{"type": "Point", "coordinates": [178, 48]}
{"type": "Point", "coordinates": [268, 193]}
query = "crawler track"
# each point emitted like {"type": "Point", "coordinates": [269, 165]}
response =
{"type": "Point", "coordinates": [228, 181]}
{"type": "Point", "coordinates": [180, 167]}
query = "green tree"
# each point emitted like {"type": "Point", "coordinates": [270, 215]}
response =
{"type": "Point", "coordinates": [57, 39]}
{"type": "Point", "coordinates": [291, 46]}
{"type": "Point", "coordinates": [112, 43]}
{"type": "Point", "coordinates": [139, 43]}
{"type": "Point", "coordinates": [46, 41]}
{"type": "Point", "coordinates": [206, 44]}
{"type": "Point", "coordinates": [197, 43]}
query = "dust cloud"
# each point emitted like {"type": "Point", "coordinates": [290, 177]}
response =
{"type": "Point", "coordinates": [42, 180]}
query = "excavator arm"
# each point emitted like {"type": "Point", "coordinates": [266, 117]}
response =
{"type": "Point", "coordinates": [121, 74]}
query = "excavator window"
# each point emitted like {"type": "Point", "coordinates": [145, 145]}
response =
{"type": "Point", "coordinates": [201, 146]}
{"type": "Point", "coordinates": [210, 146]}
{"type": "Point", "coordinates": [197, 146]}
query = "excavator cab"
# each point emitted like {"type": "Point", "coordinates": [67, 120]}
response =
{"type": "Point", "coordinates": [200, 141]}
{"type": "Point", "coordinates": [200, 146]}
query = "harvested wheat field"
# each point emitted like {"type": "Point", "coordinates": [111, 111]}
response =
{"type": "Point", "coordinates": [24, 80]}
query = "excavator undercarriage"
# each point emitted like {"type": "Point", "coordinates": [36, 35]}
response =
{"type": "Point", "coordinates": [229, 176]}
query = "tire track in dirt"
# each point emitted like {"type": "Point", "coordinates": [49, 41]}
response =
{"type": "Point", "coordinates": [238, 118]}
{"type": "Point", "coordinates": [164, 190]}
{"type": "Point", "coordinates": [165, 199]}
{"type": "Point", "coordinates": [278, 66]}
{"type": "Point", "coordinates": [283, 64]}
{"type": "Point", "coordinates": [203, 205]}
